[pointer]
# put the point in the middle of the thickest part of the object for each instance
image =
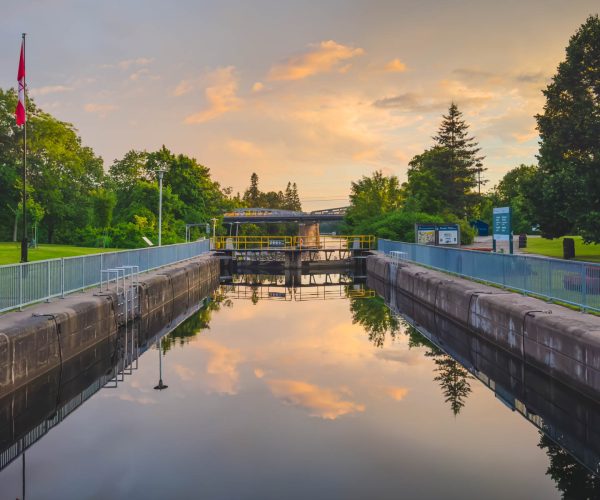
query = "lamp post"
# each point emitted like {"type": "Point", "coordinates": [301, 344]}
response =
{"type": "Point", "coordinates": [160, 385]}
{"type": "Point", "coordinates": [161, 171]}
{"type": "Point", "coordinates": [214, 221]}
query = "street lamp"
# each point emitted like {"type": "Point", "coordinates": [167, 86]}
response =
{"type": "Point", "coordinates": [161, 171]}
{"type": "Point", "coordinates": [214, 221]}
{"type": "Point", "coordinates": [160, 385]}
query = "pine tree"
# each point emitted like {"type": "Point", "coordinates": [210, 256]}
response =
{"type": "Point", "coordinates": [252, 195]}
{"type": "Point", "coordinates": [463, 168]}
{"type": "Point", "coordinates": [288, 201]}
{"type": "Point", "coordinates": [296, 205]}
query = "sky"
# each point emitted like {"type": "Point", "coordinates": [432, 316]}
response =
{"type": "Point", "coordinates": [315, 92]}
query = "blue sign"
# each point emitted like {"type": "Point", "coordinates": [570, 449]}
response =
{"type": "Point", "coordinates": [502, 220]}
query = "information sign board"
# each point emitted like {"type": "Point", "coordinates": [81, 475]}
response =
{"type": "Point", "coordinates": [502, 223]}
{"type": "Point", "coordinates": [448, 235]}
{"type": "Point", "coordinates": [425, 234]}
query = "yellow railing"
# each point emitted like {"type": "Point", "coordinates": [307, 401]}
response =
{"type": "Point", "coordinates": [343, 242]}
{"type": "Point", "coordinates": [254, 242]}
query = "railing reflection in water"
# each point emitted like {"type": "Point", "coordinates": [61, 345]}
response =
{"type": "Point", "coordinates": [31, 411]}
{"type": "Point", "coordinates": [563, 416]}
{"type": "Point", "coordinates": [294, 287]}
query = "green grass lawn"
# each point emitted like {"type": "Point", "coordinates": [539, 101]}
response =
{"type": "Point", "coordinates": [554, 248]}
{"type": "Point", "coordinates": [10, 253]}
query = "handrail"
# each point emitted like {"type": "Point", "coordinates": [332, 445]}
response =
{"type": "Point", "coordinates": [309, 242]}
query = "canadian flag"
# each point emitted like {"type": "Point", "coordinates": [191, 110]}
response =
{"type": "Point", "coordinates": [20, 111]}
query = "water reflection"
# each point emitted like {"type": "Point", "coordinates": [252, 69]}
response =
{"type": "Point", "coordinates": [380, 323]}
{"type": "Point", "coordinates": [318, 398]}
{"type": "Point", "coordinates": [568, 421]}
{"type": "Point", "coordinates": [294, 286]}
{"type": "Point", "coordinates": [572, 479]}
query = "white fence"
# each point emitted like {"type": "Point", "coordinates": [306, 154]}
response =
{"type": "Point", "coordinates": [23, 284]}
{"type": "Point", "coordinates": [572, 282]}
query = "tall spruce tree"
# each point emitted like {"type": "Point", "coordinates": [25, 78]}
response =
{"type": "Point", "coordinates": [566, 194]}
{"type": "Point", "coordinates": [461, 172]}
{"type": "Point", "coordinates": [296, 204]}
{"type": "Point", "coordinates": [252, 194]}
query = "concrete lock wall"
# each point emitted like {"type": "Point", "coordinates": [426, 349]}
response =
{"type": "Point", "coordinates": [44, 336]}
{"type": "Point", "coordinates": [561, 342]}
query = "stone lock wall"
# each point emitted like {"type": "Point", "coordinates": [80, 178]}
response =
{"type": "Point", "coordinates": [45, 336]}
{"type": "Point", "coordinates": [561, 342]}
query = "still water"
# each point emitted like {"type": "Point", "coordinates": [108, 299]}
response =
{"type": "Point", "coordinates": [317, 391]}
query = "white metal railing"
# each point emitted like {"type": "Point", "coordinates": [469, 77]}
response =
{"type": "Point", "coordinates": [23, 284]}
{"type": "Point", "coordinates": [571, 282]}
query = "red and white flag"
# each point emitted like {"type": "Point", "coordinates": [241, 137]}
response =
{"type": "Point", "coordinates": [20, 111]}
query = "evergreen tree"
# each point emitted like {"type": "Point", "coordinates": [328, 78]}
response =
{"type": "Point", "coordinates": [565, 194]}
{"type": "Point", "coordinates": [295, 204]}
{"type": "Point", "coordinates": [252, 194]}
{"type": "Point", "coordinates": [288, 197]}
{"type": "Point", "coordinates": [463, 166]}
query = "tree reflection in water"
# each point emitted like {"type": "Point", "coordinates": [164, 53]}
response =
{"type": "Point", "coordinates": [376, 318]}
{"type": "Point", "coordinates": [572, 479]}
{"type": "Point", "coordinates": [197, 322]}
{"type": "Point", "coordinates": [379, 321]}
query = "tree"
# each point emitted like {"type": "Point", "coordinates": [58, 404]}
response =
{"type": "Point", "coordinates": [427, 188]}
{"type": "Point", "coordinates": [441, 180]}
{"type": "Point", "coordinates": [572, 478]}
{"type": "Point", "coordinates": [376, 318]}
{"type": "Point", "coordinates": [565, 194]}
{"type": "Point", "coordinates": [453, 379]}
{"type": "Point", "coordinates": [252, 194]}
{"type": "Point", "coordinates": [295, 199]}
{"type": "Point", "coordinates": [512, 191]}
{"type": "Point", "coordinates": [372, 197]}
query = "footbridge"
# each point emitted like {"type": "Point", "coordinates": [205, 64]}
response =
{"type": "Point", "coordinates": [272, 215]}
{"type": "Point", "coordinates": [294, 251]}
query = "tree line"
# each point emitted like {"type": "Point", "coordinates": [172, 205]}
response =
{"type": "Point", "coordinates": [72, 199]}
{"type": "Point", "coordinates": [560, 195]}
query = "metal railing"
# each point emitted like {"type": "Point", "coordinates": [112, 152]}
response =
{"type": "Point", "coordinates": [23, 284]}
{"type": "Point", "coordinates": [322, 242]}
{"type": "Point", "coordinates": [570, 282]}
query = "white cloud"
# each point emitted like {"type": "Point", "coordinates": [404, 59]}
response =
{"type": "Point", "coordinates": [220, 95]}
{"type": "Point", "coordinates": [50, 89]}
{"type": "Point", "coordinates": [321, 58]}
{"type": "Point", "coordinates": [395, 66]}
{"type": "Point", "coordinates": [102, 110]}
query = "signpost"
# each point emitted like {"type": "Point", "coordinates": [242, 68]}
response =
{"type": "Point", "coordinates": [502, 222]}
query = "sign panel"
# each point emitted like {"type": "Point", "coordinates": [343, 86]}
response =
{"type": "Point", "coordinates": [425, 234]}
{"type": "Point", "coordinates": [502, 223]}
{"type": "Point", "coordinates": [448, 235]}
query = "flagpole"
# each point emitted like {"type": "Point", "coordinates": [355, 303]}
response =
{"type": "Point", "coordinates": [24, 201]}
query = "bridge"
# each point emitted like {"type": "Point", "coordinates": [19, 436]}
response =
{"type": "Point", "coordinates": [275, 215]}
{"type": "Point", "coordinates": [293, 251]}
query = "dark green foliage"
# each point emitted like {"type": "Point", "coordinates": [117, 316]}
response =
{"type": "Point", "coordinates": [513, 191]}
{"type": "Point", "coordinates": [454, 381]}
{"type": "Point", "coordinates": [62, 173]}
{"type": "Point", "coordinates": [442, 179]}
{"type": "Point", "coordinates": [565, 193]}
{"type": "Point", "coordinates": [371, 198]}
{"type": "Point", "coordinates": [255, 198]}
{"type": "Point", "coordinates": [572, 479]}
{"type": "Point", "coordinates": [74, 202]}
{"type": "Point", "coordinates": [376, 318]}
{"type": "Point", "coordinates": [399, 225]}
